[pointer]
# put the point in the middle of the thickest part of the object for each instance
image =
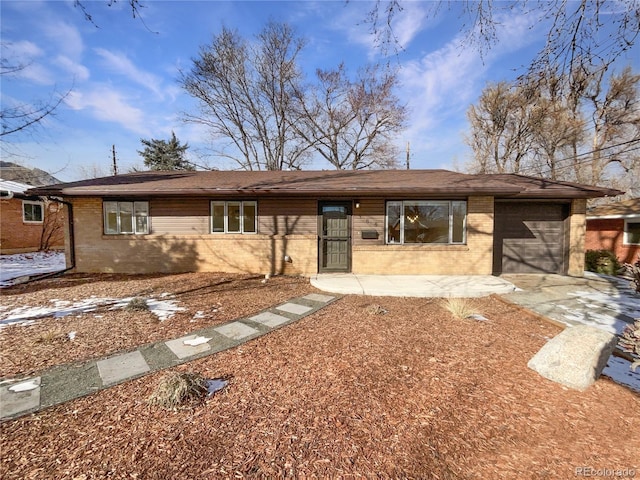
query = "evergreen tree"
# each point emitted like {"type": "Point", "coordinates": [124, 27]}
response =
{"type": "Point", "coordinates": [165, 155]}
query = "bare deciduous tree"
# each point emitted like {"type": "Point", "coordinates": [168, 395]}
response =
{"type": "Point", "coordinates": [501, 128]}
{"type": "Point", "coordinates": [591, 136]}
{"type": "Point", "coordinates": [52, 225]}
{"type": "Point", "coordinates": [352, 124]}
{"type": "Point", "coordinates": [578, 31]}
{"type": "Point", "coordinates": [19, 117]}
{"type": "Point", "coordinates": [245, 92]}
{"type": "Point", "coordinates": [253, 97]}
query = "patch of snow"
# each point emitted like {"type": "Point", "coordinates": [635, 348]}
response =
{"type": "Point", "coordinates": [14, 267]}
{"type": "Point", "coordinates": [71, 335]}
{"type": "Point", "coordinates": [194, 342]}
{"type": "Point", "coordinates": [25, 386]}
{"type": "Point", "coordinates": [215, 385]}
{"type": "Point", "coordinates": [28, 315]}
{"type": "Point", "coordinates": [605, 310]}
{"type": "Point", "coordinates": [163, 309]}
{"type": "Point", "coordinates": [477, 316]}
{"type": "Point", "coordinates": [618, 369]}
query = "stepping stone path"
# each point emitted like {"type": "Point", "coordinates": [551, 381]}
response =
{"type": "Point", "coordinates": [59, 384]}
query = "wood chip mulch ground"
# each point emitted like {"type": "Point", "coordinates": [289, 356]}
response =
{"type": "Point", "coordinates": [365, 388]}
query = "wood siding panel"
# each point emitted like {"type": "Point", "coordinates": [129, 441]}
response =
{"type": "Point", "coordinates": [369, 217]}
{"type": "Point", "coordinates": [287, 216]}
{"type": "Point", "coordinates": [179, 216]}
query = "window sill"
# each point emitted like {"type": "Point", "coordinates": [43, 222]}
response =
{"type": "Point", "coordinates": [412, 247]}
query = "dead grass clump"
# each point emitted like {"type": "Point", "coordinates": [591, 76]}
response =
{"type": "Point", "coordinates": [630, 342]}
{"type": "Point", "coordinates": [179, 390]}
{"type": "Point", "coordinates": [50, 336]}
{"type": "Point", "coordinates": [137, 304]}
{"type": "Point", "coordinates": [376, 310]}
{"type": "Point", "coordinates": [459, 307]}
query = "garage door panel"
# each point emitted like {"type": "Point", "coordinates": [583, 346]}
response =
{"type": "Point", "coordinates": [529, 238]}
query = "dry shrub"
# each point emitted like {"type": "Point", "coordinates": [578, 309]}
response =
{"type": "Point", "coordinates": [137, 304]}
{"type": "Point", "coordinates": [49, 337]}
{"type": "Point", "coordinates": [179, 390]}
{"type": "Point", "coordinates": [459, 307]}
{"type": "Point", "coordinates": [630, 342]}
{"type": "Point", "coordinates": [376, 310]}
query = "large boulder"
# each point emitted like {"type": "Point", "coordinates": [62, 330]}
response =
{"type": "Point", "coordinates": [575, 358]}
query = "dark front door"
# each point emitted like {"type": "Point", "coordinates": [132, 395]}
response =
{"type": "Point", "coordinates": [335, 237]}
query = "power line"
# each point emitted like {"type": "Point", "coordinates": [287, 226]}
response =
{"type": "Point", "coordinates": [587, 160]}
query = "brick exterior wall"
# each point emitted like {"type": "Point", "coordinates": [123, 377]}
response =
{"type": "Point", "coordinates": [264, 253]}
{"type": "Point", "coordinates": [172, 253]}
{"type": "Point", "coordinates": [608, 234]}
{"type": "Point", "coordinates": [577, 227]}
{"type": "Point", "coordinates": [17, 236]}
{"type": "Point", "coordinates": [474, 258]}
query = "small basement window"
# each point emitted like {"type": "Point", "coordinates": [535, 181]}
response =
{"type": "Point", "coordinates": [126, 217]}
{"type": "Point", "coordinates": [632, 232]}
{"type": "Point", "coordinates": [32, 212]}
{"type": "Point", "coordinates": [426, 221]}
{"type": "Point", "coordinates": [234, 216]}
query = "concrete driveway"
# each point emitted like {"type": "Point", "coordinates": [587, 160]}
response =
{"type": "Point", "coordinates": [605, 302]}
{"type": "Point", "coordinates": [446, 286]}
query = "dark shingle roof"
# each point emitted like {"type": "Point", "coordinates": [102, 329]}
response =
{"type": "Point", "coordinates": [625, 208]}
{"type": "Point", "coordinates": [346, 183]}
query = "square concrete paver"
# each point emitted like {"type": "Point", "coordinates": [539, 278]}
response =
{"type": "Point", "coordinates": [294, 308]}
{"type": "Point", "coordinates": [316, 297]}
{"type": "Point", "coordinates": [12, 403]}
{"type": "Point", "coordinates": [121, 367]}
{"type": "Point", "coordinates": [236, 330]}
{"type": "Point", "coordinates": [269, 319]}
{"type": "Point", "coordinates": [181, 350]}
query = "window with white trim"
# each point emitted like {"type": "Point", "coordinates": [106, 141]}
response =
{"type": "Point", "coordinates": [426, 221]}
{"type": "Point", "coordinates": [234, 216]}
{"type": "Point", "coordinates": [632, 232]}
{"type": "Point", "coordinates": [130, 218]}
{"type": "Point", "coordinates": [32, 212]}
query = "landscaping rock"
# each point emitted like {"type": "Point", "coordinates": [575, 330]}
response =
{"type": "Point", "coordinates": [575, 358]}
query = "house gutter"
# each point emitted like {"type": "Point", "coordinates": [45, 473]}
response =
{"type": "Point", "coordinates": [72, 242]}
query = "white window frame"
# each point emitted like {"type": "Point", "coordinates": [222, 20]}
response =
{"type": "Point", "coordinates": [136, 207]}
{"type": "Point", "coordinates": [33, 202]}
{"type": "Point", "coordinates": [625, 237]}
{"type": "Point", "coordinates": [242, 204]}
{"type": "Point", "coordinates": [401, 203]}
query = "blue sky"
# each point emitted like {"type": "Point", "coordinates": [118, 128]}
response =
{"type": "Point", "coordinates": [123, 75]}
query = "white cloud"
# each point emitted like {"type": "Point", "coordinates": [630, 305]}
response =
{"type": "Point", "coordinates": [122, 65]}
{"type": "Point", "coordinates": [406, 24]}
{"type": "Point", "coordinates": [79, 72]}
{"type": "Point", "coordinates": [21, 50]}
{"type": "Point", "coordinates": [66, 39]}
{"type": "Point", "coordinates": [109, 105]}
{"type": "Point", "coordinates": [409, 22]}
{"type": "Point", "coordinates": [442, 84]}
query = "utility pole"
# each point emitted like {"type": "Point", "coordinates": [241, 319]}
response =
{"type": "Point", "coordinates": [408, 152]}
{"type": "Point", "coordinates": [115, 165]}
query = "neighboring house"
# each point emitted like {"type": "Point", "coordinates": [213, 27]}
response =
{"type": "Point", "coordinates": [28, 223]}
{"type": "Point", "coordinates": [305, 222]}
{"type": "Point", "coordinates": [615, 227]}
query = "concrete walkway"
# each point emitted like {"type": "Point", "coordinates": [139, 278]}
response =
{"type": "Point", "coordinates": [446, 286]}
{"type": "Point", "coordinates": [609, 303]}
{"type": "Point", "coordinates": [65, 382]}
